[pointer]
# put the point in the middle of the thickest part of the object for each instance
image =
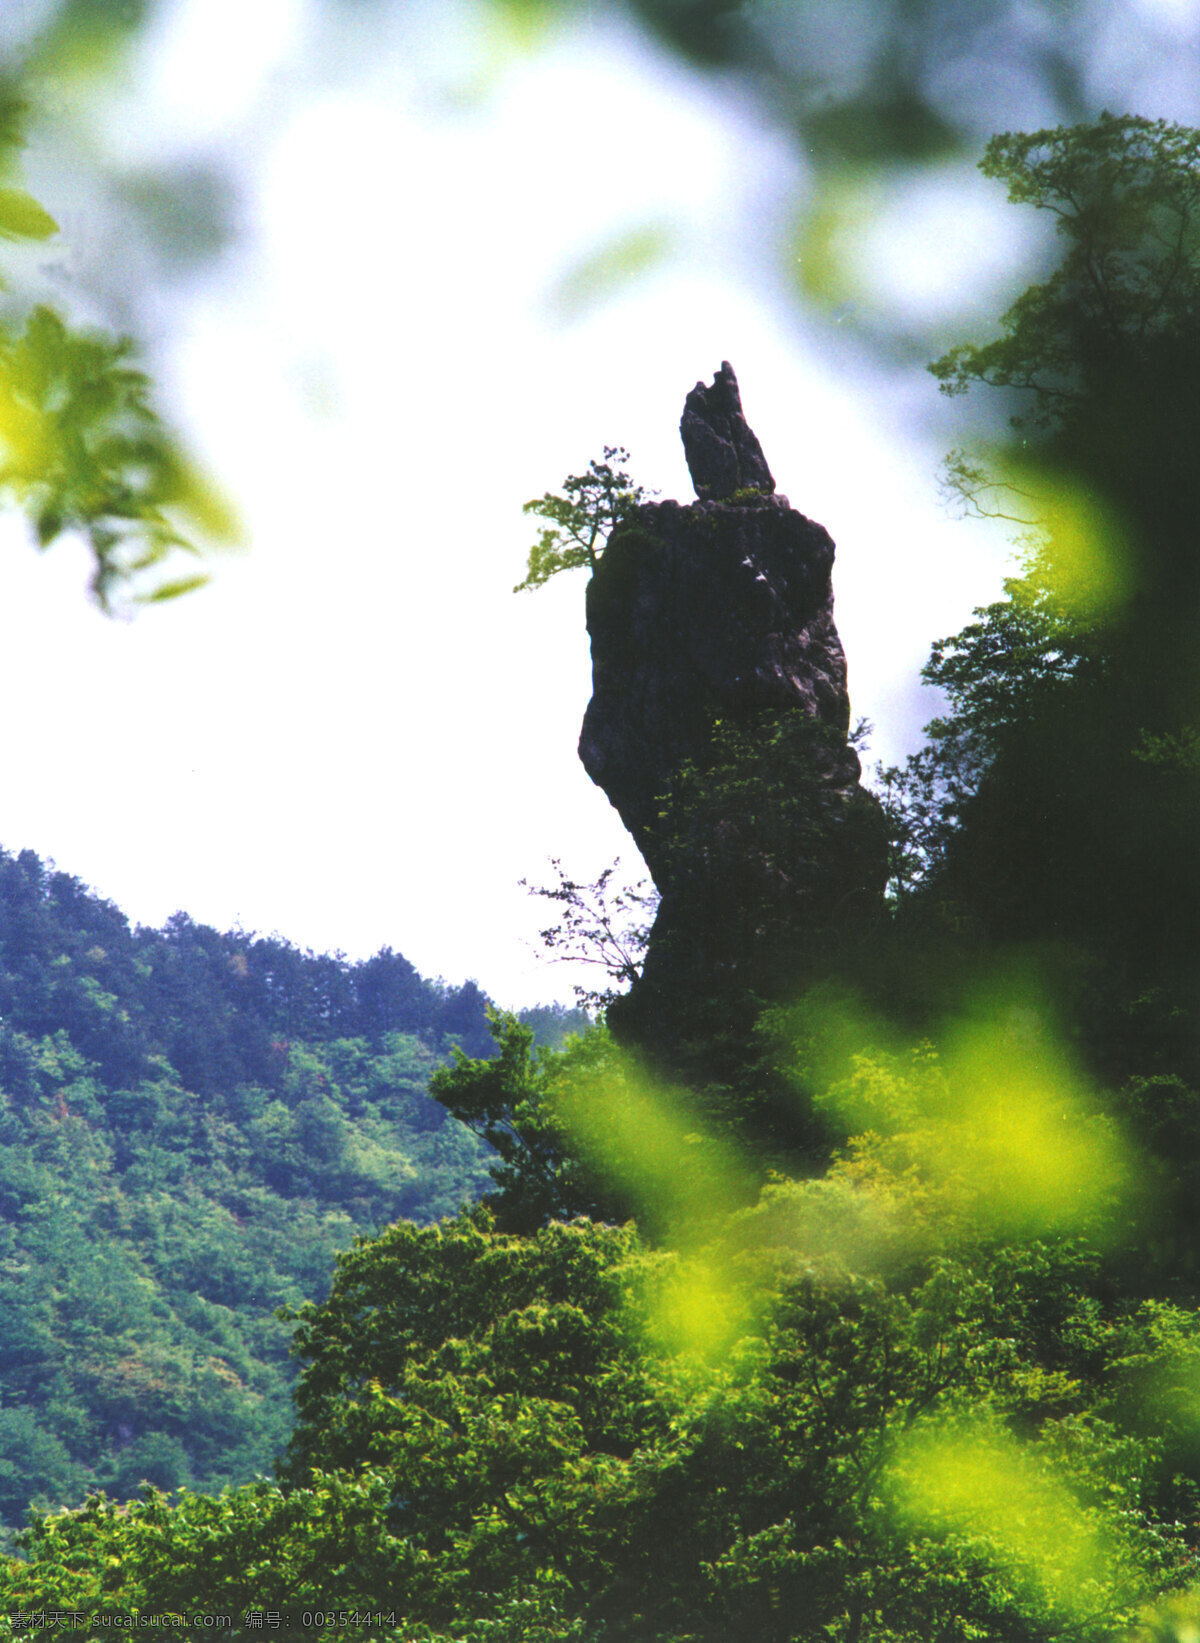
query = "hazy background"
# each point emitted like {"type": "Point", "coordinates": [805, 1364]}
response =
{"type": "Point", "coordinates": [398, 268]}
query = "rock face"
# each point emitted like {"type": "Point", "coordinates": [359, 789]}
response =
{"type": "Point", "coordinates": [723, 454]}
{"type": "Point", "coordinates": [719, 718]}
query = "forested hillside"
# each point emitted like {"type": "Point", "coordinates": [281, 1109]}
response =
{"type": "Point", "coordinates": [192, 1126]}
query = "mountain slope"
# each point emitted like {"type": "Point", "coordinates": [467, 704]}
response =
{"type": "Point", "coordinates": [192, 1125]}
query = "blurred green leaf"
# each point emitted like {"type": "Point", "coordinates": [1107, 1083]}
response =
{"type": "Point", "coordinates": [603, 272]}
{"type": "Point", "coordinates": [84, 37]}
{"type": "Point", "coordinates": [173, 590]}
{"type": "Point", "coordinates": [22, 218]}
{"type": "Point", "coordinates": [82, 448]}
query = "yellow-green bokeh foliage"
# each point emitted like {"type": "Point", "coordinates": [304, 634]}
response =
{"type": "Point", "coordinates": [1074, 548]}
{"type": "Point", "coordinates": [987, 1131]}
{"type": "Point", "coordinates": [1006, 1505]}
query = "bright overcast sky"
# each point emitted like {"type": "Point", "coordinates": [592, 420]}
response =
{"type": "Point", "coordinates": [358, 736]}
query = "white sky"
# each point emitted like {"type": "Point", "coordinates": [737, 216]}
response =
{"type": "Point", "coordinates": [358, 735]}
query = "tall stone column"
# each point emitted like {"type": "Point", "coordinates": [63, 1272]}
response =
{"type": "Point", "coordinates": [718, 728]}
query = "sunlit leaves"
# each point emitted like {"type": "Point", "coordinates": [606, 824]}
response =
{"type": "Point", "coordinates": [1174, 1620]}
{"type": "Point", "coordinates": [992, 1134]}
{"type": "Point", "coordinates": [14, 111]}
{"type": "Point", "coordinates": [1089, 660]}
{"type": "Point", "coordinates": [172, 590]}
{"type": "Point", "coordinates": [841, 205]}
{"type": "Point", "coordinates": [582, 518]}
{"type": "Point", "coordinates": [568, 1434]}
{"type": "Point", "coordinates": [1104, 334]}
{"type": "Point", "coordinates": [1095, 359]}
{"type": "Point", "coordinates": [22, 218]}
{"type": "Point", "coordinates": [572, 1401]}
{"type": "Point", "coordinates": [85, 37]}
{"type": "Point", "coordinates": [82, 449]}
{"type": "Point", "coordinates": [648, 1139]}
{"type": "Point", "coordinates": [250, 1548]}
{"type": "Point", "coordinates": [1005, 1507]}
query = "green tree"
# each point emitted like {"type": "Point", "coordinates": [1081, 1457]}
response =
{"type": "Point", "coordinates": [1125, 196]}
{"type": "Point", "coordinates": [1054, 806]}
{"type": "Point", "coordinates": [508, 1101]}
{"type": "Point", "coordinates": [1001, 674]}
{"type": "Point", "coordinates": [152, 1218]}
{"type": "Point", "coordinates": [499, 1436]}
{"type": "Point", "coordinates": [582, 518]}
{"type": "Point", "coordinates": [1089, 658]}
{"type": "Point", "coordinates": [1098, 366]}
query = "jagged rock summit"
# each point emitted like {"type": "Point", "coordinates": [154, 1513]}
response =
{"type": "Point", "coordinates": [722, 451]}
{"type": "Point", "coordinates": [719, 716]}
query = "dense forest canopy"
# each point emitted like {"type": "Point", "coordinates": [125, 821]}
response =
{"type": "Point", "coordinates": [192, 1126]}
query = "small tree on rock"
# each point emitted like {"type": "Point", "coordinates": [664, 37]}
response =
{"type": "Point", "coordinates": [582, 517]}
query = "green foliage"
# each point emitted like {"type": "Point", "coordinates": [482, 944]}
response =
{"type": "Point", "coordinates": [1090, 656]}
{"type": "Point", "coordinates": [1099, 362]}
{"type": "Point", "coordinates": [1000, 675]}
{"type": "Point", "coordinates": [253, 1549]}
{"type": "Point", "coordinates": [757, 798]}
{"type": "Point", "coordinates": [582, 518]}
{"type": "Point", "coordinates": [496, 1439]}
{"type": "Point", "coordinates": [508, 1101]}
{"type": "Point", "coordinates": [150, 1235]}
{"type": "Point", "coordinates": [82, 448]}
{"type": "Point", "coordinates": [747, 496]}
{"type": "Point", "coordinates": [604, 271]}
{"type": "Point", "coordinates": [553, 1024]}
{"type": "Point", "coordinates": [902, 1398]}
{"type": "Point", "coordinates": [224, 1009]}
{"type": "Point", "coordinates": [761, 839]}
{"type": "Point", "coordinates": [22, 218]}
{"type": "Point", "coordinates": [173, 1168]}
{"type": "Point", "coordinates": [771, 862]}
{"type": "Point", "coordinates": [1125, 195]}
